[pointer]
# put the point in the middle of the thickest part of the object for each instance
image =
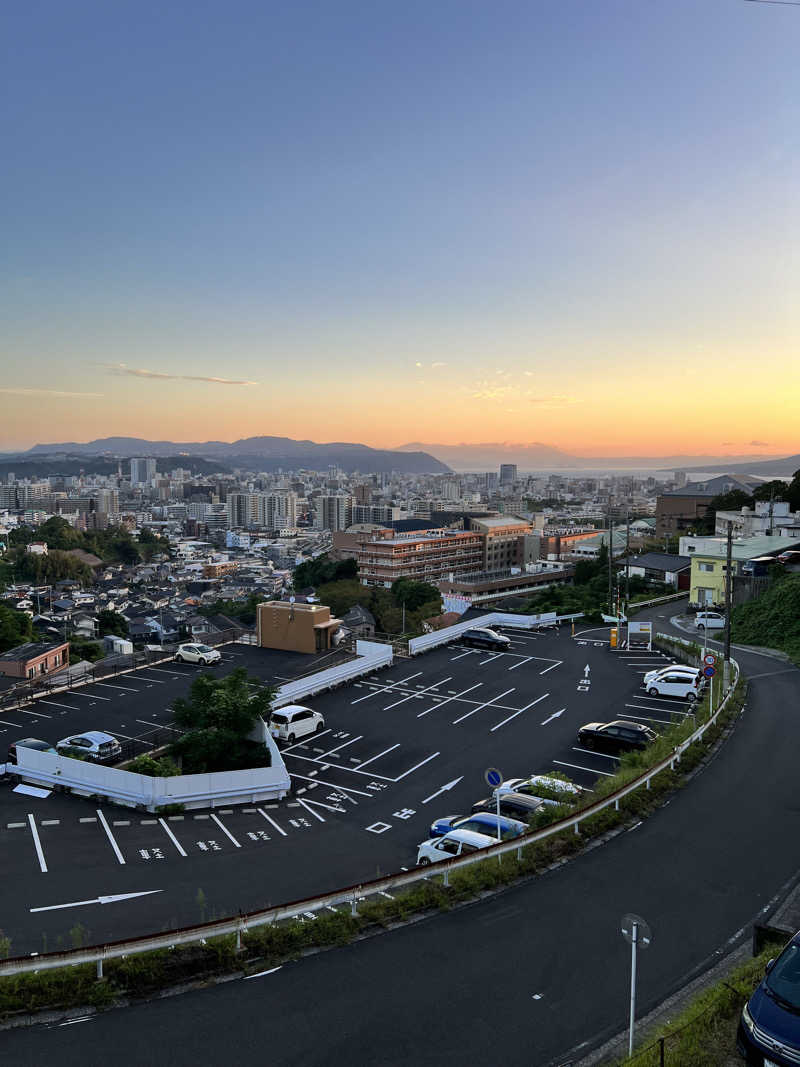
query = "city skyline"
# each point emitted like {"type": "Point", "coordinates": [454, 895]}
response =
{"type": "Point", "coordinates": [434, 225]}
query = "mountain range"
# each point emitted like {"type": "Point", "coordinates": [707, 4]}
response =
{"type": "Point", "coordinates": [263, 453]}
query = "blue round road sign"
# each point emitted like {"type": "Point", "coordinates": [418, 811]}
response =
{"type": "Point", "coordinates": [493, 777]}
{"type": "Point", "coordinates": [709, 672]}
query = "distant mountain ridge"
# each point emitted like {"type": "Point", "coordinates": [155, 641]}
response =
{"type": "Point", "coordinates": [764, 467]}
{"type": "Point", "coordinates": [269, 453]}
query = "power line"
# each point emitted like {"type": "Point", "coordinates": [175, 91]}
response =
{"type": "Point", "coordinates": [783, 3]}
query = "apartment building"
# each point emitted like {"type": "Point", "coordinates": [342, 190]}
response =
{"type": "Point", "coordinates": [425, 556]}
{"type": "Point", "coordinates": [507, 541]}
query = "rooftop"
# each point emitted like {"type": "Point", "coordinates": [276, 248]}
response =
{"type": "Point", "coordinates": [31, 650]}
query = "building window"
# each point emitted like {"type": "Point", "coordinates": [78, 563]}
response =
{"type": "Point", "coordinates": [705, 567]}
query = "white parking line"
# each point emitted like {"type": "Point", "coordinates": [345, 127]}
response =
{"type": "Point", "coordinates": [417, 694]}
{"type": "Point", "coordinates": [332, 785]}
{"type": "Point", "coordinates": [41, 714]}
{"type": "Point", "coordinates": [88, 696]}
{"type": "Point", "coordinates": [578, 767]}
{"type": "Point", "coordinates": [650, 718]}
{"type": "Point", "coordinates": [299, 744]}
{"type": "Point", "coordinates": [386, 688]}
{"type": "Point", "coordinates": [373, 758]}
{"type": "Point", "coordinates": [553, 666]}
{"type": "Point", "coordinates": [493, 656]}
{"type": "Point", "coordinates": [447, 700]}
{"type": "Point", "coordinates": [316, 814]}
{"type": "Point", "coordinates": [37, 843]}
{"type": "Point", "coordinates": [160, 670]}
{"type": "Point", "coordinates": [172, 837]}
{"type": "Point", "coordinates": [110, 836]}
{"type": "Point", "coordinates": [522, 662]}
{"type": "Point", "coordinates": [594, 752]}
{"type": "Point", "coordinates": [344, 744]}
{"type": "Point", "coordinates": [272, 822]}
{"type": "Point", "coordinates": [414, 768]}
{"type": "Point", "coordinates": [124, 688]}
{"type": "Point", "coordinates": [516, 713]}
{"type": "Point", "coordinates": [461, 655]}
{"type": "Point", "coordinates": [649, 707]}
{"type": "Point", "coordinates": [481, 706]}
{"type": "Point", "coordinates": [225, 829]}
{"type": "Point", "coordinates": [341, 767]}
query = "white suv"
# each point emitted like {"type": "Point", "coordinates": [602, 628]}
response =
{"type": "Point", "coordinates": [455, 843]}
{"type": "Point", "coordinates": [709, 620]}
{"type": "Point", "coordinates": [202, 654]}
{"type": "Point", "coordinates": [295, 721]}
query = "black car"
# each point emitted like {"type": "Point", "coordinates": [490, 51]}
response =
{"type": "Point", "coordinates": [617, 736]}
{"type": "Point", "coordinates": [514, 805]}
{"type": "Point", "coordinates": [483, 637]}
{"type": "Point", "coordinates": [28, 742]}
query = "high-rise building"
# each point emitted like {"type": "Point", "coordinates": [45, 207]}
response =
{"type": "Point", "coordinates": [107, 501]}
{"type": "Point", "coordinates": [333, 512]}
{"type": "Point", "coordinates": [143, 471]}
{"type": "Point", "coordinates": [508, 473]}
{"type": "Point", "coordinates": [240, 512]}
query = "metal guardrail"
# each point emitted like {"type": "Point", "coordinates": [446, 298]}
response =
{"type": "Point", "coordinates": [636, 604]}
{"type": "Point", "coordinates": [350, 895]}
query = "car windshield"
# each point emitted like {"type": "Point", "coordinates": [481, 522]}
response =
{"type": "Point", "coordinates": [783, 980]}
{"type": "Point", "coordinates": [203, 648]}
{"type": "Point", "coordinates": [279, 719]}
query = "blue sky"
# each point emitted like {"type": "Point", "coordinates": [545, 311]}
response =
{"type": "Point", "coordinates": [542, 198]}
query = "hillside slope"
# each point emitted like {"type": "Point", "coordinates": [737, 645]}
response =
{"type": "Point", "coordinates": [773, 620]}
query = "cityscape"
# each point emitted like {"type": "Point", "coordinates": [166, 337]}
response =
{"type": "Point", "coordinates": [400, 535]}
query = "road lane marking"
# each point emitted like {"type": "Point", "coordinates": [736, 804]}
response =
{"type": "Point", "coordinates": [124, 688]}
{"type": "Point", "coordinates": [316, 814]}
{"type": "Point", "coordinates": [89, 696]}
{"type": "Point", "coordinates": [461, 655]}
{"type": "Point", "coordinates": [344, 744]}
{"type": "Point", "coordinates": [443, 789]}
{"type": "Point", "coordinates": [426, 689]}
{"type": "Point", "coordinates": [578, 767]}
{"type": "Point", "coordinates": [385, 689]}
{"type": "Point", "coordinates": [97, 900]}
{"type": "Point", "coordinates": [340, 767]}
{"type": "Point", "coordinates": [516, 713]}
{"type": "Point", "coordinates": [521, 663]}
{"type": "Point", "coordinates": [261, 974]}
{"type": "Point", "coordinates": [550, 718]}
{"type": "Point", "coordinates": [224, 829]}
{"type": "Point", "coordinates": [172, 837]}
{"type": "Point", "coordinates": [272, 822]}
{"type": "Point", "coordinates": [486, 704]}
{"type": "Point", "coordinates": [373, 758]}
{"type": "Point", "coordinates": [447, 700]}
{"type": "Point", "coordinates": [37, 843]}
{"type": "Point", "coordinates": [635, 718]}
{"type": "Point", "coordinates": [299, 744]}
{"type": "Point", "coordinates": [414, 768]}
{"type": "Point", "coordinates": [41, 714]}
{"type": "Point", "coordinates": [552, 667]}
{"type": "Point", "coordinates": [333, 785]}
{"type": "Point", "coordinates": [594, 752]}
{"type": "Point", "coordinates": [110, 836]}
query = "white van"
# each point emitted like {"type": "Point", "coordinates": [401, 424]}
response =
{"type": "Point", "coordinates": [293, 721]}
{"type": "Point", "coordinates": [673, 684]}
{"type": "Point", "coordinates": [709, 620]}
{"type": "Point", "coordinates": [454, 843]}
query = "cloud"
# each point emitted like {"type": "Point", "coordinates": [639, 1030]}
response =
{"type": "Point", "coordinates": [439, 363]}
{"type": "Point", "coordinates": [528, 373]}
{"type": "Point", "coordinates": [759, 444]}
{"type": "Point", "coordinates": [139, 372]}
{"type": "Point", "coordinates": [51, 392]}
{"type": "Point", "coordinates": [490, 391]}
{"type": "Point", "coordinates": [559, 400]}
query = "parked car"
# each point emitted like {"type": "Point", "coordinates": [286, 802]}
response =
{"type": "Point", "coordinates": [769, 1027]}
{"type": "Point", "coordinates": [617, 736]}
{"type": "Point", "coordinates": [673, 668]}
{"type": "Point", "coordinates": [673, 684]}
{"type": "Point", "coordinates": [709, 620]}
{"type": "Point", "coordinates": [28, 742]}
{"type": "Point", "coordinates": [483, 637]}
{"type": "Point", "coordinates": [202, 654]}
{"type": "Point", "coordinates": [537, 784]}
{"type": "Point", "coordinates": [93, 744]}
{"type": "Point", "coordinates": [295, 721]}
{"type": "Point", "coordinates": [512, 805]}
{"type": "Point", "coordinates": [482, 823]}
{"type": "Point", "coordinates": [456, 843]}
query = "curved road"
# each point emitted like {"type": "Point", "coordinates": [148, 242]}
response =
{"type": "Point", "coordinates": [538, 975]}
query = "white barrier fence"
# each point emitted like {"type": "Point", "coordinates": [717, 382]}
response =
{"type": "Point", "coordinates": [151, 794]}
{"type": "Point", "coordinates": [494, 618]}
{"type": "Point", "coordinates": [371, 656]}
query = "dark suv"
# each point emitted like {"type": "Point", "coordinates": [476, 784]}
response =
{"type": "Point", "coordinates": [617, 736]}
{"type": "Point", "coordinates": [483, 637]}
{"type": "Point", "coordinates": [28, 742]}
{"type": "Point", "coordinates": [769, 1028]}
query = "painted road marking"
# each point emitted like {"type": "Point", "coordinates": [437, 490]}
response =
{"type": "Point", "coordinates": [578, 767]}
{"type": "Point", "coordinates": [88, 696]}
{"type": "Point", "coordinates": [272, 822]}
{"type": "Point", "coordinates": [332, 785]}
{"type": "Point", "coordinates": [486, 704]}
{"type": "Point", "coordinates": [491, 658]}
{"type": "Point", "coordinates": [521, 663]}
{"type": "Point", "coordinates": [385, 689]}
{"type": "Point", "coordinates": [425, 689]}
{"type": "Point", "coordinates": [261, 974]}
{"type": "Point", "coordinates": [89, 819]}
{"type": "Point", "coordinates": [516, 713]}
{"type": "Point", "coordinates": [635, 718]}
{"type": "Point", "coordinates": [461, 655]}
{"type": "Point", "coordinates": [443, 789]}
{"type": "Point", "coordinates": [172, 837]}
{"type": "Point", "coordinates": [109, 835]}
{"type": "Point", "coordinates": [225, 830]}
{"type": "Point", "coordinates": [299, 744]}
{"type": "Point", "coordinates": [447, 700]}
{"type": "Point", "coordinates": [37, 843]}
{"type": "Point", "coordinates": [550, 718]}
{"type": "Point", "coordinates": [51, 822]}
{"type": "Point", "coordinates": [340, 767]}
{"type": "Point", "coordinates": [414, 768]}
{"type": "Point", "coordinates": [124, 688]}
{"type": "Point", "coordinates": [316, 814]}
{"type": "Point", "coordinates": [344, 744]}
{"type": "Point", "coordinates": [552, 667]}
{"type": "Point", "coordinates": [160, 670]}
{"type": "Point", "coordinates": [594, 752]}
{"type": "Point", "coordinates": [41, 714]}
{"type": "Point", "coordinates": [373, 758]}
{"type": "Point", "coordinates": [98, 900]}
{"type": "Point", "coordinates": [14, 825]}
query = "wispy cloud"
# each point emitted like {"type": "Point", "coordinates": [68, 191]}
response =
{"type": "Point", "coordinates": [51, 392]}
{"type": "Point", "coordinates": [490, 391]}
{"type": "Point", "coordinates": [759, 444]}
{"type": "Point", "coordinates": [141, 372]}
{"type": "Point", "coordinates": [559, 400]}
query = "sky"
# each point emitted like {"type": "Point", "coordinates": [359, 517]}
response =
{"type": "Point", "coordinates": [573, 222]}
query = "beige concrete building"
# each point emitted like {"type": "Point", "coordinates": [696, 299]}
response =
{"type": "Point", "coordinates": [295, 627]}
{"type": "Point", "coordinates": [422, 555]}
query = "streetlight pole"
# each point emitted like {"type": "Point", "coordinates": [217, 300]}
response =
{"type": "Point", "coordinates": [726, 666]}
{"type": "Point", "coordinates": [634, 944]}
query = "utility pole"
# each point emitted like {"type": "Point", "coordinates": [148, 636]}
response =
{"type": "Point", "coordinates": [610, 564]}
{"type": "Point", "coordinates": [627, 561]}
{"type": "Point", "coordinates": [726, 667]}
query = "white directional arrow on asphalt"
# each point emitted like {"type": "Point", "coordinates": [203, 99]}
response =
{"type": "Point", "coordinates": [586, 671]}
{"type": "Point", "coordinates": [98, 900]}
{"type": "Point", "coordinates": [550, 718]}
{"type": "Point", "coordinates": [444, 789]}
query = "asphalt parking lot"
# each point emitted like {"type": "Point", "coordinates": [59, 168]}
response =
{"type": "Point", "coordinates": [400, 748]}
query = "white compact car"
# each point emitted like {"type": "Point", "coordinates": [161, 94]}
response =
{"type": "Point", "coordinates": [454, 843]}
{"type": "Point", "coordinates": [202, 654]}
{"type": "Point", "coordinates": [674, 684]}
{"type": "Point", "coordinates": [673, 668]}
{"type": "Point", "coordinates": [709, 620]}
{"type": "Point", "coordinates": [295, 721]}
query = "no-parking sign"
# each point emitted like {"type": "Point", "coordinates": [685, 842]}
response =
{"type": "Point", "coordinates": [709, 672]}
{"type": "Point", "coordinates": [710, 659]}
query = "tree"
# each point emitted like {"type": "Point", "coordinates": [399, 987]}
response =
{"type": "Point", "coordinates": [218, 715]}
{"type": "Point", "coordinates": [154, 768]}
{"type": "Point", "coordinates": [111, 622]}
{"type": "Point", "coordinates": [16, 628]}
{"type": "Point", "coordinates": [774, 490]}
{"type": "Point", "coordinates": [414, 594]}
{"type": "Point", "coordinates": [82, 649]}
{"type": "Point", "coordinates": [321, 570]}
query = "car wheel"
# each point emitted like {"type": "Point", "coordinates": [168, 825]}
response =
{"type": "Point", "coordinates": [320, 727]}
{"type": "Point", "coordinates": [424, 862]}
{"type": "Point", "coordinates": [701, 626]}
{"type": "Point", "coordinates": [589, 742]}
{"type": "Point", "coordinates": [653, 691]}
{"type": "Point", "coordinates": [290, 739]}
{"type": "Point", "coordinates": [179, 658]}
{"type": "Point", "coordinates": [203, 662]}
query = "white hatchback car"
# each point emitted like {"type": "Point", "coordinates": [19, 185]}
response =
{"type": "Point", "coordinates": [709, 620]}
{"type": "Point", "coordinates": [202, 654]}
{"type": "Point", "coordinates": [93, 744]}
{"type": "Point", "coordinates": [454, 843]}
{"type": "Point", "coordinates": [674, 684]}
{"type": "Point", "coordinates": [295, 721]}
